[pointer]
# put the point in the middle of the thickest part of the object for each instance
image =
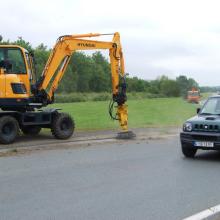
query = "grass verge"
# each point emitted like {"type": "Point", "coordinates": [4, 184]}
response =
{"type": "Point", "coordinates": [159, 112]}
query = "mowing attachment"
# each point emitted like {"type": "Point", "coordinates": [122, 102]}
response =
{"type": "Point", "coordinates": [126, 135]}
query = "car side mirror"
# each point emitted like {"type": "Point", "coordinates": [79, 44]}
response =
{"type": "Point", "coordinates": [198, 110]}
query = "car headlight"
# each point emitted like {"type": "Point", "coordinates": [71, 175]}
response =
{"type": "Point", "coordinates": [187, 126]}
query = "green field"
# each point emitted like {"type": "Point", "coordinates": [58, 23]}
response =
{"type": "Point", "coordinates": [158, 112]}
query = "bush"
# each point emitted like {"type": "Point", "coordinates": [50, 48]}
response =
{"type": "Point", "coordinates": [72, 97]}
{"type": "Point", "coordinates": [102, 96]}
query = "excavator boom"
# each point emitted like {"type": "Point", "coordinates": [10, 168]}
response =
{"type": "Point", "coordinates": [66, 46]}
{"type": "Point", "coordinates": [60, 57]}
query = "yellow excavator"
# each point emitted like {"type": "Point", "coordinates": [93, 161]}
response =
{"type": "Point", "coordinates": [22, 96]}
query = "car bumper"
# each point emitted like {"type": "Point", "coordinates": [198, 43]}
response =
{"type": "Point", "coordinates": [188, 139]}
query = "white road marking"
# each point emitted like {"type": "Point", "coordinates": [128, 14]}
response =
{"type": "Point", "coordinates": [212, 213]}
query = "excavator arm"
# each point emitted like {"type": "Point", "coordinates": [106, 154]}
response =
{"type": "Point", "coordinates": [60, 57]}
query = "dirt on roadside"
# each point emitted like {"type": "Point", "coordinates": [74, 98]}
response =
{"type": "Point", "coordinates": [27, 144]}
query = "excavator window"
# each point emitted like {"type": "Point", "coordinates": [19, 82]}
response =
{"type": "Point", "coordinates": [12, 60]}
{"type": "Point", "coordinates": [30, 73]}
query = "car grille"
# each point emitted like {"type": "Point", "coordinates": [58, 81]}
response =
{"type": "Point", "coordinates": [206, 128]}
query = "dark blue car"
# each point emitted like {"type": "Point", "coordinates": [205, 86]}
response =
{"type": "Point", "coordinates": [203, 130]}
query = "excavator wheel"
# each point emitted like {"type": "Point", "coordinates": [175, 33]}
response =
{"type": "Point", "coordinates": [62, 126]}
{"type": "Point", "coordinates": [31, 130]}
{"type": "Point", "coordinates": [8, 129]}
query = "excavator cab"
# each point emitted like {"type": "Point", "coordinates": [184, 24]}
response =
{"type": "Point", "coordinates": [16, 76]}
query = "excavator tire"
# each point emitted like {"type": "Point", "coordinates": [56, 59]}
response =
{"type": "Point", "coordinates": [8, 129]}
{"type": "Point", "coordinates": [31, 130]}
{"type": "Point", "coordinates": [62, 126]}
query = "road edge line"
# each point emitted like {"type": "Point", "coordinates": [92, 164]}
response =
{"type": "Point", "coordinates": [212, 213]}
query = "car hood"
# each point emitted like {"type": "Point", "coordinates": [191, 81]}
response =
{"type": "Point", "coordinates": [205, 123]}
{"type": "Point", "coordinates": [204, 118]}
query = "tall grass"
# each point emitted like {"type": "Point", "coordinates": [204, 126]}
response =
{"type": "Point", "coordinates": [103, 96]}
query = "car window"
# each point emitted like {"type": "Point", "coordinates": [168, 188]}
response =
{"type": "Point", "coordinates": [212, 106]}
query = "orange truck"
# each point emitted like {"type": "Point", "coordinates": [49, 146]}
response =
{"type": "Point", "coordinates": [193, 96]}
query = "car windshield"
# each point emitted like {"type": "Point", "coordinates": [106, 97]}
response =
{"type": "Point", "coordinates": [212, 106]}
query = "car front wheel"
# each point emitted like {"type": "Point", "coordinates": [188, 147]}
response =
{"type": "Point", "coordinates": [188, 152]}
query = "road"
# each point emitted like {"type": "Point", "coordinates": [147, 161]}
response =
{"type": "Point", "coordinates": [126, 180]}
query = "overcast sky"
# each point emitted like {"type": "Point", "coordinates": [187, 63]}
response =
{"type": "Point", "coordinates": [170, 37]}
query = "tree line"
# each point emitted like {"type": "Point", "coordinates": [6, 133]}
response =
{"type": "Point", "coordinates": [92, 73]}
{"type": "Point", "coordinates": [210, 89]}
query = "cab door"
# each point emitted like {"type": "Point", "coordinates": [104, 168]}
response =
{"type": "Point", "coordinates": [2, 85]}
{"type": "Point", "coordinates": [16, 76]}
{"type": "Point", "coordinates": [2, 75]}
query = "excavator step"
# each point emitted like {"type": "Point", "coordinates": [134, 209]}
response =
{"type": "Point", "coordinates": [126, 135]}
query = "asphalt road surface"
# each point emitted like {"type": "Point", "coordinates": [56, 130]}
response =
{"type": "Point", "coordinates": [131, 180]}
